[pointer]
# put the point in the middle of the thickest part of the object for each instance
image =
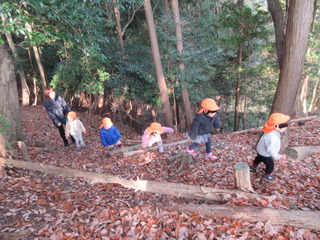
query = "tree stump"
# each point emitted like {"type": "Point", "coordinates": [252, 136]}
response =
{"type": "Point", "coordinates": [184, 158]}
{"type": "Point", "coordinates": [242, 181]}
{"type": "Point", "coordinates": [299, 153]}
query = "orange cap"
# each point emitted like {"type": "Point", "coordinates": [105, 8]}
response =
{"type": "Point", "coordinates": [106, 122]}
{"type": "Point", "coordinates": [155, 127]}
{"type": "Point", "coordinates": [72, 114]}
{"type": "Point", "coordinates": [208, 104]}
{"type": "Point", "coordinates": [274, 119]}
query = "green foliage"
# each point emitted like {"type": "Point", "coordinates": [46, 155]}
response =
{"type": "Point", "coordinates": [5, 131]}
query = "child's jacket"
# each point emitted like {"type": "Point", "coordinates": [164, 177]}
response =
{"type": "Point", "coordinates": [109, 136]}
{"type": "Point", "coordinates": [148, 139]}
{"type": "Point", "coordinates": [269, 145]}
{"type": "Point", "coordinates": [74, 128]}
{"type": "Point", "coordinates": [57, 109]}
{"type": "Point", "coordinates": [203, 125]}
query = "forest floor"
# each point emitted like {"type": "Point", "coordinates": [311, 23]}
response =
{"type": "Point", "coordinates": [34, 205]}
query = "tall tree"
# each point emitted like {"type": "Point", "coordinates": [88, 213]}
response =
{"type": "Point", "coordinates": [279, 22]}
{"type": "Point", "coordinates": [9, 101]}
{"type": "Point", "coordinates": [24, 85]}
{"type": "Point", "coordinates": [179, 47]}
{"type": "Point", "coordinates": [296, 39]}
{"type": "Point", "coordinates": [157, 64]}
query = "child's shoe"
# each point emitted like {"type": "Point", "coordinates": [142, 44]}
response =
{"type": "Point", "coordinates": [269, 178]}
{"type": "Point", "coordinates": [253, 169]}
{"type": "Point", "coordinates": [84, 146]}
{"type": "Point", "coordinates": [66, 143]}
{"type": "Point", "coordinates": [211, 156]}
{"type": "Point", "coordinates": [191, 152]}
{"type": "Point", "coordinates": [78, 146]}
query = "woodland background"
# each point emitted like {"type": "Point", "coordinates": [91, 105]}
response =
{"type": "Point", "coordinates": [143, 61]}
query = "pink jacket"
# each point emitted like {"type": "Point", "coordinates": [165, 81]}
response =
{"type": "Point", "coordinates": [148, 139]}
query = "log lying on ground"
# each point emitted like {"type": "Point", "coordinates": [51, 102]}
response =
{"type": "Point", "coordinates": [151, 148]}
{"type": "Point", "coordinates": [299, 153]}
{"type": "Point", "coordinates": [296, 218]}
{"type": "Point", "coordinates": [259, 129]}
{"type": "Point", "coordinates": [166, 188]}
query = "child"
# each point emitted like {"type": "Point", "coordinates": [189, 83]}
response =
{"type": "Point", "coordinates": [75, 128]}
{"type": "Point", "coordinates": [269, 144]}
{"type": "Point", "coordinates": [153, 135]}
{"type": "Point", "coordinates": [109, 134]}
{"type": "Point", "coordinates": [201, 127]}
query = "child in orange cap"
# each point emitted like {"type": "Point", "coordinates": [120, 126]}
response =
{"type": "Point", "coordinates": [202, 125]}
{"type": "Point", "coordinates": [269, 144]}
{"type": "Point", "coordinates": [109, 134]}
{"type": "Point", "coordinates": [75, 128]}
{"type": "Point", "coordinates": [153, 135]}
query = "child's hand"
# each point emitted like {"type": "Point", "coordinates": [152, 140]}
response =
{"type": "Point", "coordinates": [84, 132]}
{"type": "Point", "coordinates": [283, 160]}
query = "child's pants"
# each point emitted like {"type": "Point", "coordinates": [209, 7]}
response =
{"type": "Point", "coordinates": [79, 140]}
{"type": "Point", "coordinates": [194, 145]}
{"type": "Point", "coordinates": [268, 161]}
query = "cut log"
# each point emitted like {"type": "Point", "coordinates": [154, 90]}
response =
{"type": "Point", "coordinates": [259, 129]}
{"type": "Point", "coordinates": [151, 148]}
{"type": "Point", "coordinates": [299, 153]}
{"type": "Point", "coordinates": [296, 218]}
{"type": "Point", "coordinates": [242, 181]}
{"type": "Point", "coordinates": [166, 188]}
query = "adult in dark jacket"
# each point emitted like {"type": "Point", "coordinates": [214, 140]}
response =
{"type": "Point", "coordinates": [202, 125]}
{"type": "Point", "coordinates": [57, 110]}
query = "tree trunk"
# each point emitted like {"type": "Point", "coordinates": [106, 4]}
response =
{"type": "Point", "coordinates": [238, 84]}
{"type": "Point", "coordinates": [24, 85]}
{"type": "Point", "coordinates": [278, 18]}
{"type": "Point", "coordinates": [298, 25]}
{"type": "Point", "coordinates": [179, 47]}
{"type": "Point", "coordinates": [119, 29]}
{"type": "Point", "coordinates": [167, 188]}
{"type": "Point", "coordinates": [299, 153]}
{"type": "Point", "coordinates": [9, 101]}
{"type": "Point", "coordinates": [158, 65]}
{"type": "Point", "coordinates": [296, 218]}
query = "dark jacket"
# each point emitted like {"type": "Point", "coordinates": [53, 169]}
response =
{"type": "Point", "coordinates": [57, 110]}
{"type": "Point", "coordinates": [203, 125]}
{"type": "Point", "coordinates": [109, 136]}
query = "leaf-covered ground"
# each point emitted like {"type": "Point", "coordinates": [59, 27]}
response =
{"type": "Point", "coordinates": [38, 206]}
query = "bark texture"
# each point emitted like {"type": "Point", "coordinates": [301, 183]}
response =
{"type": "Point", "coordinates": [158, 65]}
{"type": "Point", "coordinates": [297, 29]}
{"type": "Point", "coordinates": [9, 101]}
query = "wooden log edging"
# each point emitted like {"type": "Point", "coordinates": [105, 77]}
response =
{"type": "Point", "coordinates": [165, 188]}
{"type": "Point", "coordinates": [296, 218]}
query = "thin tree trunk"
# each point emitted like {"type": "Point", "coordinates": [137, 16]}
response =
{"type": "Point", "coordinates": [158, 65]}
{"type": "Point", "coordinates": [238, 84]}
{"type": "Point", "coordinates": [315, 92]}
{"type": "Point", "coordinates": [297, 29]}
{"type": "Point", "coordinates": [119, 29]}
{"type": "Point", "coordinates": [179, 47]}
{"type": "Point", "coordinates": [24, 85]}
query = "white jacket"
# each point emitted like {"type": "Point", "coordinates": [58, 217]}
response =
{"type": "Point", "coordinates": [269, 145]}
{"type": "Point", "coordinates": [74, 127]}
